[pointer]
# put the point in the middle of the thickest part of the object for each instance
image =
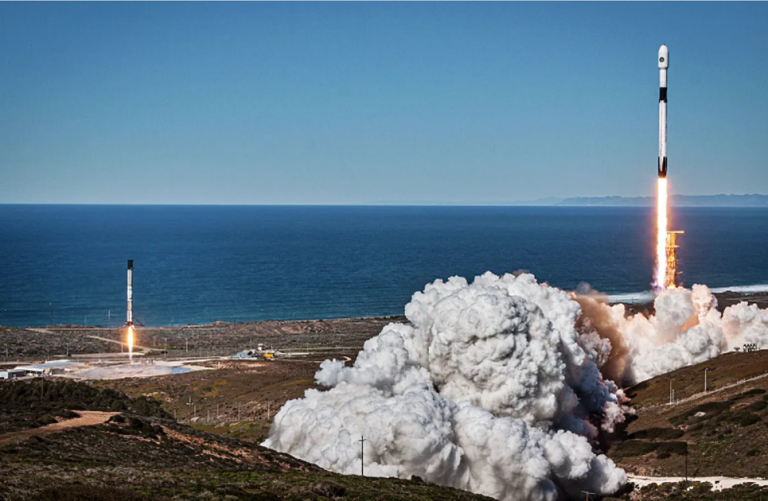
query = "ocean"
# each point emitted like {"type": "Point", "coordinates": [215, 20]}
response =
{"type": "Point", "coordinates": [198, 264]}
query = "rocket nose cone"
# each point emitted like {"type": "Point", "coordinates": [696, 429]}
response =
{"type": "Point", "coordinates": [663, 57]}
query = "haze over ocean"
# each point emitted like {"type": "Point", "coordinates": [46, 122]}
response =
{"type": "Point", "coordinates": [197, 264]}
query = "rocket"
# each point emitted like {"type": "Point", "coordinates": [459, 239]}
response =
{"type": "Point", "coordinates": [129, 319]}
{"type": "Point", "coordinates": [663, 65]}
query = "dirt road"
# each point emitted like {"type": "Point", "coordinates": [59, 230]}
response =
{"type": "Point", "coordinates": [87, 418]}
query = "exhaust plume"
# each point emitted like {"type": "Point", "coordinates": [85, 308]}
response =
{"type": "Point", "coordinates": [488, 389]}
{"type": "Point", "coordinates": [686, 329]}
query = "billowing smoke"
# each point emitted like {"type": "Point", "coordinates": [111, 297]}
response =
{"type": "Point", "coordinates": [686, 329]}
{"type": "Point", "coordinates": [498, 386]}
{"type": "Point", "coordinates": [491, 388]}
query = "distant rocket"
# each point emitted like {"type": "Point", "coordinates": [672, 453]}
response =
{"type": "Point", "coordinates": [129, 319]}
{"type": "Point", "coordinates": [663, 65]}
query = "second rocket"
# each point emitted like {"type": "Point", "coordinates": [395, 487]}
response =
{"type": "Point", "coordinates": [129, 319]}
{"type": "Point", "coordinates": [663, 66]}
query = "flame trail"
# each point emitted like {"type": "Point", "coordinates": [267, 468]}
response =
{"type": "Point", "coordinates": [130, 344]}
{"type": "Point", "coordinates": [660, 282]}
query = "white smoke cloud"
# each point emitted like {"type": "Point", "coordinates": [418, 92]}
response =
{"type": "Point", "coordinates": [686, 329]}
{"type": "Point", "coordinates": [490, 389]}
{"type": "Point", "coordinates": [497, 386]}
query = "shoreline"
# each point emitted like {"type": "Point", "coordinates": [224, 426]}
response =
{"type": "Point", "coordinates": [220, 338]}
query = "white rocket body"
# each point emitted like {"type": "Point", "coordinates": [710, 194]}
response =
{"type": "Point", "coordinates": [129, 319]}
{"type": "Point", "coordinates": [663, 66]}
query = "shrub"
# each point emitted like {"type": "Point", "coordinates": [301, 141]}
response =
{"type": "Point", "coordinates": [710, 410]}
{"type": "Point", "coordinates": [631, 448]}
{"type": "Point", "coordinates": [658, 433]}
{"type": "Point", "coordinates": [666, 449]}
{"type": "Point", "coordinates": [747, 419]}
{"type": "Point", "coordinates": [88, 493]}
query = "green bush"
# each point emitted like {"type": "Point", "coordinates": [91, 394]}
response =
{"type": "Point", "coordinates": [748, 419]}
{"type": "Point", "coordinates": [632, 448]}
{"type": "Point", "coordinates": [658, 434]}
{"type": "Point", "coordinates": [88, 493]}
{"type": "Point", "coordinates": [666, 449]}
{"type": "Point", "coordinates": [710, 410]}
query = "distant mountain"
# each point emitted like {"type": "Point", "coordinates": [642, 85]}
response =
{"type": "Point", "coordinates": [676, 201]}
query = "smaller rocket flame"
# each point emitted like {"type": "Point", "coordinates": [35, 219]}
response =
{"type": "Point", "coordinates": [129, 342]}
{"type": "Point", "coordinates": [661, 282]}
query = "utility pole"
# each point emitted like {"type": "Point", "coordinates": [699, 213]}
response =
{"type": "Point", "coordinates": [587, 494]}
{"type": "Point", "coordinates": [362, 456]}
{"type": "Point", "coordinates": [671, 394]}
{"type": "Point", "coordinates": [705, 379]}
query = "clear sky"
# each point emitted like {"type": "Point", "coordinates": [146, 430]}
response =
{"type": "Point", "coordinates": [356, 103]}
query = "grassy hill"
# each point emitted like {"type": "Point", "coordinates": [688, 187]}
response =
{"type": "Point", "coordinates": [134, 457]}
{"type": "Point", "coordinates": [721, 432]}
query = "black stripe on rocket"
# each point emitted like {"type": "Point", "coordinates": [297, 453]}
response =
{"type": "Point", "coordinates": [662, 168]}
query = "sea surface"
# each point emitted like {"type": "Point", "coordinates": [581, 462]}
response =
{"type": "Point", "coordinates": [198, 264]}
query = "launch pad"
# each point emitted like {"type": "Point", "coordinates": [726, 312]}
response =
{"type": "Point", "coordinates": [671, 248]}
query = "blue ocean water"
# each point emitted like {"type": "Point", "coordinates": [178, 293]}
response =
{"type": "Point", "coordinates": [196, 264]}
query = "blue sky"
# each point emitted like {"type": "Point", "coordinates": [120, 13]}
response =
{"type": "Point", "coordinates": [357, 103]}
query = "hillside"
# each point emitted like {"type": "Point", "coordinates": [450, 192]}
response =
{"type": "Point", "coordinates": [131, 457]}
{"type": "Point", "coordinates": [721, 432]}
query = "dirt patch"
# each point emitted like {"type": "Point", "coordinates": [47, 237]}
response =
{"type": "Point", "coordinates": [87, 418]}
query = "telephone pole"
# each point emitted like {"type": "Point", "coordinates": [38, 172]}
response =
{"type": "Point", "coordinates": [587, 494]}
{"type": "Point", "coordinates": [362, 456]}
{"type": "Point", "coordinates": [705, 379]}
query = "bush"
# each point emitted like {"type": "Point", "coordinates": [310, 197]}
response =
{"type": "Point", "coordinates": [666, 449]}
{"type": "Point", "coordinates": [88, 493]}
{"type": "Point", "coordinates": [758, 406]}
{"type": "Point", "coordinates": [632, 448]}
{"type": "Point", "coordinates": [747, 419]}
{"type": "Point", "coordinates": [753, 452]}
{"type": "Point", "coordinates": [329, 489]}
{"type": "Point", "coordinates": [658, 434]}
{"type": "Point", "coordinates": [710, 410]}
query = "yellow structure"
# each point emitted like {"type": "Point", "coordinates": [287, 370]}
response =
{"type": "Point", "coordinates": [671, 278]}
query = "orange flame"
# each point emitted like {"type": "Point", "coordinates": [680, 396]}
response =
{"type": "Point", "coordinates": [129, 341]}
{"type": "Point", "coordinates": [660, 282]}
